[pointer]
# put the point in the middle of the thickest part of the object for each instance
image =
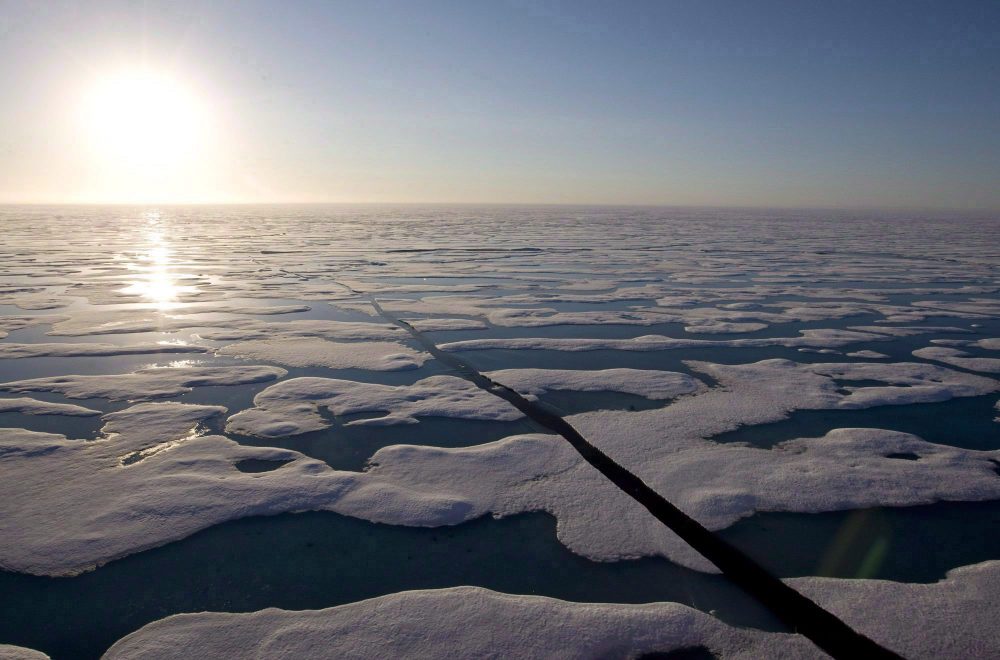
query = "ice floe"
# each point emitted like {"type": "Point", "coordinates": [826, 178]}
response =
{"type": "Point", "coordinates": [37, 301]}
{"type": "Point", "coordinates": [464, 622]}
{"type": "Point", "coordinates": [317, 352]}
{"type": "Point", "coordinates": [146, 383]}
{"type": "Point", "coordinates": [167, 481]}
{"type": "Point", "coordinates": [70, 504]}
{"type": "Point", "coordinates": [12, 350]}
{"type": "Point", "coordinates": [907, 331]}
{"type": "Point", "coordinates": [247, 329]}
{"type": "Point", "coordinates": [115, 321]}
{"type": "Point", "coordinates": [958, 358]}
{"type": "Point", "coordinates": [810, 338]}
{"type": "Point", "coordinates": [867, 354]}
{"type": "Point", "coordinates": [435, 325]}
{"type": "Point", "coordinates": [28, 406]}
{"type": "Point", "coordinates": [721, 327]}
{"type": "Point", "coordinates": [652, 384]}
{"type": "Point", "coordinates": [293, 406]}
{"type": "Point", "coordinates": [8, 652]}
{"type": "Point", "coordinates": [953, 618]}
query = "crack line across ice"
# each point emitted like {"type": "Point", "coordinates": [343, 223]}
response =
{"type": "Point", "coordinates": [803, 615]}
{"type": "Point", "coordinates": [800, 613]}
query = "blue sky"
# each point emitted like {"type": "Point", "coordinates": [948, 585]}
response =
{"type": "Point", "coordinates": [715, 103]}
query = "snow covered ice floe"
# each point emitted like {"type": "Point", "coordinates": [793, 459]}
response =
{"type": "Point", "coordinates": [465, 622]}
{"type": "Point", "coordinates": [230, 324]}
{"type": "Point", "coordinates": [8, 652]}
{"type": "Point", "coordinates": [153, 478]}
{"type": "Point", "coordinates": [958, 358]}
{"type": "Point", "coordinates": [317, 352]}
{"type": "Point", "coordinates": [810, 338]}
{"type": "Point", "coordinates": [36, 301]}
{"type": "Point", "coordinates": [12, 350]}
{"type": "Point", "coordinates": [953, 618]}
{"type": "Point", "coordinates": [146, 383]}
{"type": "Point", "coordinates": [723, 327]}
{"type": "Point", "coordinates": [293, 406]}
{"type": "Point", "coordinates": [185, 482]}
{"type": "Point", "coordinates": [649, 383]}
{"type": "Point", "coordinates": [29, 406]}
{"type": "Point", "coordinates": [752, 309]}
{"type": "Point", "coordinates": [866, 354]}
{"type": "Point", "coordinates": [252, 329]}
{"type": "Point", "coordinates": [440, 324]}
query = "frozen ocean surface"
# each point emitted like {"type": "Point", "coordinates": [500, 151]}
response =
{"type": "Point", "coordinates": [215, 410]}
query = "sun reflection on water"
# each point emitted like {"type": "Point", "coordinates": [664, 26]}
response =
{"type": "Point", "coordinates": [158, 283]}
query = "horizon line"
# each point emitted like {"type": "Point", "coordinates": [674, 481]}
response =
{"type": "Point", "coordinates": [759, 207]}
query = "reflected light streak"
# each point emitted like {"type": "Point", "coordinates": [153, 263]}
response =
{"type": "Point", "coordinates": [158, 284]}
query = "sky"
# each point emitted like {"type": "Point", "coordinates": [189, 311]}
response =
{"type": "Point", "coordinates": [799, 103]}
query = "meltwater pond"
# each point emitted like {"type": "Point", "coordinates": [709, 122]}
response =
{"type": "Point", "coordinates": [694, 347]}
{"type": "Point", "coordinates": [316, 560]}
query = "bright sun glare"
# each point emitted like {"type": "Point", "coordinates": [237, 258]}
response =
{"type": "Point", "coordinates": [157, 281]}
{"type": "Point", "coordinates": [143, 118]}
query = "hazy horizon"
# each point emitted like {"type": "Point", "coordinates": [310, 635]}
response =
{"type": "Point", "coordinates": [474, 204]}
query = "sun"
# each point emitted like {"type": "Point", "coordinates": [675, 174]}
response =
{"type": "Point", "coordinates": [143, 118]}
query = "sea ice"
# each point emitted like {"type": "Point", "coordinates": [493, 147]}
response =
{"type": "Point", "coordinates": [648, 383]}
{"type": "Point", "coordinates": [810, 338]}
{"type": "Point", "coordinates": [292, 406]}
{"type": "Point", "coordinates": [248, 329]}
{"type": "Point", "coordinates": [12, 350]}
{"type": "Point", "coordinates": [28, 406]}
{"type": "Point", "coordinates": [953, 618]}
{"type": "Point", "coordinates": [866, 354]}
{"type": "Point", "coordinates": [146, 383]}
{"type": "Point", "coordinates": [317, 352]}
{"type": "Point", "coordinates": [8, 652]}
{"type": "Point", "coordinates": [463, 622]}
{"type": "Point", "coordinates": [957, 358]}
